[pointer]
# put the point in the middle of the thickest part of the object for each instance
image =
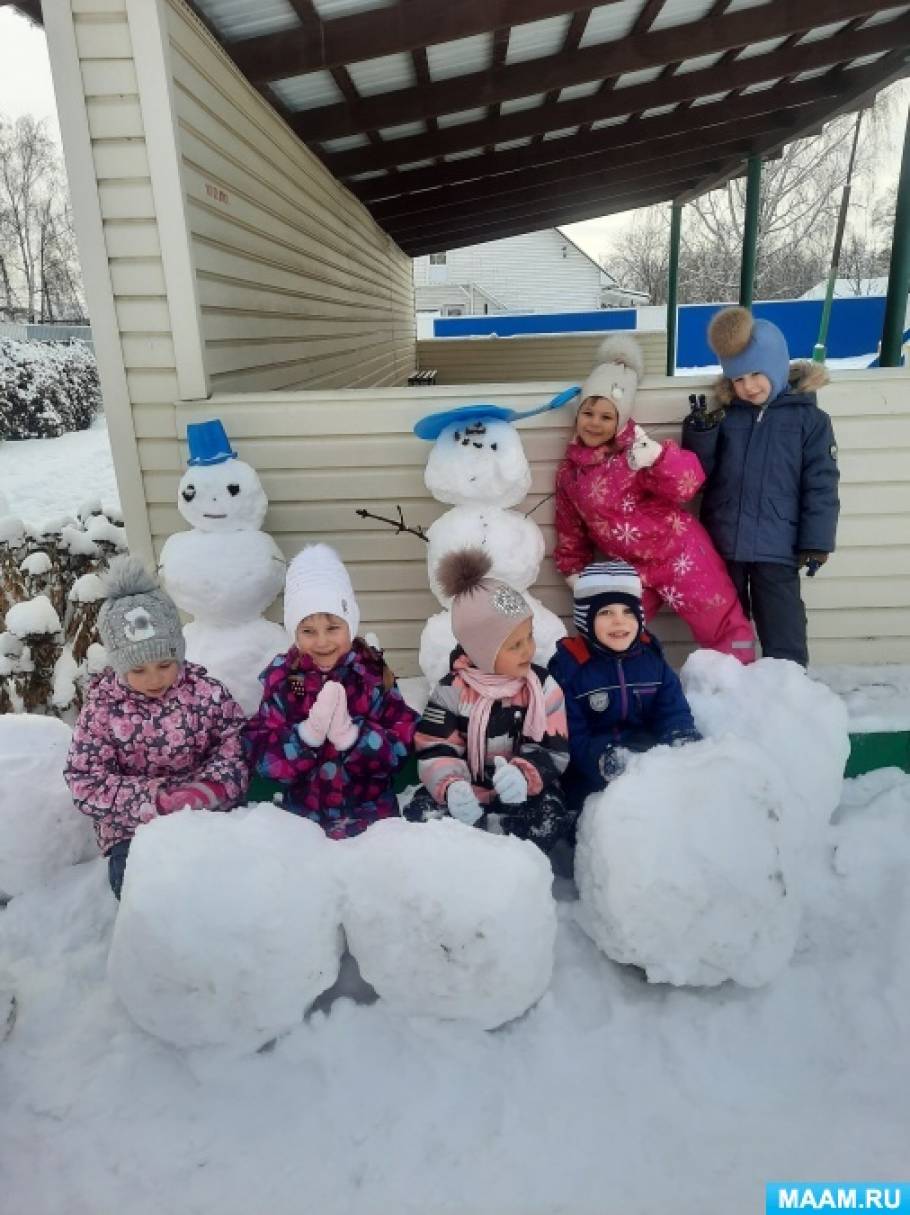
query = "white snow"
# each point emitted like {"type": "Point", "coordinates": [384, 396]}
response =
{"type": "Point", "coordinates": [446, 921]}
{"type": "Point", "coordinates": [225, 497]}
{"type": "Point", "coordinates": [877, 698]}
{"type": "Point", "coordinates": [236, 654]}
{"type": "Point", "coordinates": [228, 928]}
{"type": "Point", "coordinates": [41, 831]}
{"type": "Point", "coordinates": [87, 589]}
{"type": "Point", "coordinates": [36, 564]}
{"type": "Point", "coordinates": [32, 617]}
{"type": "Point", "coordinates": [47, 477]}
{"type": "Point", "coordinates": [679, 867]}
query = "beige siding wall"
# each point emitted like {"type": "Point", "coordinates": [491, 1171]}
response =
{"type": "Point", "coordinates": [323, 455]}
{"type": "Point", "coordinates": [297, 285]}
{"type": "Point", "coordinates": [564, 357]}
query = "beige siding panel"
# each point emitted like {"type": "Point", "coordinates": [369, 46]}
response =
{"type": "Point", "coordinates": [143, 315]}
{"type": "Point", "coordinates": [89, 7]}
{"type": "Point", "coordinates": [566, 357]}
{"type": "Point", "coordinates": [147, 351]}
{"type": "Point", "coordinates": [132, 238]}
{"type": "Point", "coordinates": [106, 37]}
{"type": "Point", "coordinates": [137, 276]}
{"type": "Point", "coordinates": [126, 199]}
{"type": "Point", "coordinates": [120, 158]}
{"type": "Point", "coordinates": [115, 117]}
{"type": "Point", "coordinates": [155, 386]}
{"type": "Point", "coordinates": [109, 77]}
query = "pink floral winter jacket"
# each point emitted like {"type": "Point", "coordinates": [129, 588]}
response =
{"type": "Point", "coordinates": [602, 504]}
{"type": "Point", "coordinates": [127, 748]}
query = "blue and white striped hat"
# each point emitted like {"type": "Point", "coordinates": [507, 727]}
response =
{"type": "Point", "coordinates": [600, 584]}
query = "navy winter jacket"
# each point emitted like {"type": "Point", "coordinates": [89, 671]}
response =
{"type": "Point", "coordinates": [632, 700]}
{"type": "Point", "coordinates": [771, 488]}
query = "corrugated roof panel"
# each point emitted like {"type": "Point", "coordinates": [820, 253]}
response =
{"type": "Point", "coordinates": [738, 5]}
{"type": "Point", "coordinates": [681, 12]}
{"type": "Point", "coordinates": [822, 31]}
{"type": "Point", "coordinates": [659, 109]}
{"type": "Point", "coordinates": [511, 143]}
{"type": "Point", "coordinates": [698, 64]}
{"type": "Point", "coordinates": [416, 164]}
{"type": "Point", "coordinates": [711, 97]}
{"type": "Point", "coordinates": [462, 116]}
{"type": "Point", "coordinates": [515, 104]}
{"type": "Point", "coordinates": [608, 122]}
{"type": "Point", "coordinates": [463, 155]}
{"type": "Point", "coordinates": [861, 62]}
{"type": "Point", "coordinates": [461, 57]}
{"type": "Point", "coordinates": [580, 90]}
{"type": "Point", "coordinates": [761, 48]}
{"type": "Point", "coordinates": [561, 134]}
{"type": "Point", "coordinates": [642, 77]}
{"type": "Point", "coordinates": [762, 87]}
{"type": "Point", "coordinates": [890, 14]}
{"type": "Point", "coordinates": [329, 9]}
{"type": "Point", "coordinates": [810, 75]}
{"type": "Point", "coordinates": [369, 173]}
{"type": "Point", "coordinates": [306, 92]}
{"type": "Point", "coordinates": [382, 75]}
{"type": "Point", "coordinates": [404, 131]}
{"type": "Point", "coordinates": [608, 22]}
{"type": "Point", "coordinates": [535, 39]}
{"type": "Point", "coordinates": [345, 143]}
{"type": "Point", "coordinates": [240, 19]}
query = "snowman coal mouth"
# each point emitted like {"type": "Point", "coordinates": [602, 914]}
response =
{"type": "Point", "coordinates": [214, 516]}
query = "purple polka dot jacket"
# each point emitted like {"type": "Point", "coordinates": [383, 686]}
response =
{"type": "Point", "coordinates": [343, 791]}
{"type": "Point", "coordinates": [127, 748]}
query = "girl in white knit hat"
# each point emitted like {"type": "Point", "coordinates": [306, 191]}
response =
{"type": "Point", "coordinates": [332, 727]}
{"type": "Point", "coordinates": [622, 494]}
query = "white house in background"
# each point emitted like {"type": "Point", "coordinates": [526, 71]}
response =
{"type": "Point", "coordinates": [536, 272]}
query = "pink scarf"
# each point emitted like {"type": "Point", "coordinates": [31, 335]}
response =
{"type": "Point", "coordinates": [491, 688]}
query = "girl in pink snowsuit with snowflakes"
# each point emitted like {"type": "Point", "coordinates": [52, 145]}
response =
{"type": "Point", "coordinates": [622, 494]}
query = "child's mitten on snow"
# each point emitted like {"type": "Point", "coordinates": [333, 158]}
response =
{"type": "Point", "coordinates": [342, 733]}
{"type": "Point", "coordinates": [197, 795]}
{"type": "Point", "coordinates": [313, 731]}
{"type": "Point", "coordinates": [643, 452]}
{"type": "Point", "coordinates": [462, 803]}
{"type": "Point", "coordinates": [509, 782]}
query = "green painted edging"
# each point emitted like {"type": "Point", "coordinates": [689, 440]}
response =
{"type": "Point", "coordinates": [871, 751]}
{"type": "Point", "coordinates": [262, 790]}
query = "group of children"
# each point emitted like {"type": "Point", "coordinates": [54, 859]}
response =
{"type": "Point", "coordinates": [503, 744]}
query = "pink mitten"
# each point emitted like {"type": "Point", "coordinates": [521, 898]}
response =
{"type": "Point", "coordinates": [313, 731]}
{"type": "Point", "coordinates": [342, 732]}
{"type": "Point", "coordinates": [196, 794]}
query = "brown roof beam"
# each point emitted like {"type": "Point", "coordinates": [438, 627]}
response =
{"type": "Point", "coordinates": [386, 31]}
{"type": "Point", "coordinates": [28, 8]}
{"type": "Point", "coordinates": [555, 72]}
{"type": "Point", "coordinates": [420, 147]}
{"type": "Point", "coordinates": [857, 88]}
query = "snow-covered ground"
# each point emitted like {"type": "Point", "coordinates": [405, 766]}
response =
{"type": "Point", "coordinates": [43, 478]}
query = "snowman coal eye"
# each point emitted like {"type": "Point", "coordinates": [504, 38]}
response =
{"type": "Point", "coordinates": [233, 490]}
{"type": "Point", "coordinates": [494, 447]}
{"type": "Point", "coordinates": [189, 493]}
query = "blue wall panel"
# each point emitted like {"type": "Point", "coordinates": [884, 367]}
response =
{"type": "Point", "coordinates": [509, 324]}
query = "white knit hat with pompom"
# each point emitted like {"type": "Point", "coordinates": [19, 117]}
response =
{"type": "Point", "coordinates": [618, 366]}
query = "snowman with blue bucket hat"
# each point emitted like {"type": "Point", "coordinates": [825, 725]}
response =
{"type": "Point", "coordinates": [225, 572]}
{"type": "Point", "coordinates": [478, 466]}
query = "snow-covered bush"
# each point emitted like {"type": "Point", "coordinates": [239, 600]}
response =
{"type": "Point", "coordinates": [46, 389]}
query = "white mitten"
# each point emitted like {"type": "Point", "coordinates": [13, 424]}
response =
{"type": "Point", "coordinates": [509, 782]}
{"type": "Point", "coordinates": [462, 803]}
{"type": "Point", "coordinates": [643, 452]}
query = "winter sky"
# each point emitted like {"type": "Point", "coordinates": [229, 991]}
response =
{"type": "Point", "coordinates": [25, 87]}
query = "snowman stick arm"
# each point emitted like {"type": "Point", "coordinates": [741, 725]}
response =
{"type": "Point", "coordinates": [545, 498]}
{"type": "Point", "coordinates": [398, 525]}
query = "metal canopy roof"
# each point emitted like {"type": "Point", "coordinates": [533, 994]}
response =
{"type": "Point", "coordinates": [460, 121]}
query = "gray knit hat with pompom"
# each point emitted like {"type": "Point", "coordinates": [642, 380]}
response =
{"type": "Point", "coordinates": [138, 622]}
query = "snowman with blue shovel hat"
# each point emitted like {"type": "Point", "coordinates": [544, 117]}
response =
{"type": "Point", "coordinates": [225, 572]}
{"type": "Point", "coordinates": [478, 466]}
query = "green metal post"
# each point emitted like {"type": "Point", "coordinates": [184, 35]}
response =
{"type": "Point", "coordinates": [750, 232]}
{"type": "Point", "coordinates": [899, 272]}
{"type": "Point", "coordinates": [673, 286]}
{"type": "Point", "coordinates": [820, 350]}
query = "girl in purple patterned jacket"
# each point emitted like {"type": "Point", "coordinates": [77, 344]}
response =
{"type": "Point", "coordinates": [332, 727]}
{"type": "Point", "coordinates": [156, 734]}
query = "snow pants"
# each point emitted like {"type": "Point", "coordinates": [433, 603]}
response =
{"type": "Point", "coordinates": [116, 866]}
{"type": "Point", "coordinates": [769, 592]}
{"type": "Point", "coordinates": [542, 819]}
{"type": "Point", "coordinates": [696, 585]}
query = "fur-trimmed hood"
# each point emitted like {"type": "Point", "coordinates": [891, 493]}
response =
{"type": "Point", "coordinates": [805, 376]}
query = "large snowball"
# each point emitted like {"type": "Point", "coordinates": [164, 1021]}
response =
{"type": "Point", "coordinates": [679, 866]}
{"type": "Point", "coordinates": [513, 543]}
{"type": "Point", "coordinates": [222, 579]}
{"type": "Point", "coordinates": [41, 831]}
{"type": "Point", "coordinates": [228, 927]}
{"type": "Point", "coordinates": [447, 921]}
{"type": "Point", "coordinates": [225, 497]}
{"type": "Point", "coordinates": [236, 654]}
{"type": "Point", "coordinates": [800, 726]}
{"type": "Point", "coordinates": [478, 462]}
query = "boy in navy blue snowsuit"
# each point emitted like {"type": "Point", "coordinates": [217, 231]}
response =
{"type": "Point", "coordinates": [621, 693]}
{"type": "Point", "coordinates": [770, 500]}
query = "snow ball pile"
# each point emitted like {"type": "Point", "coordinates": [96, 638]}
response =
{"type": "Point", "coordinates": [679, 866]}
{"type": "Point", "coordinates": [799, 725]}
{"type": "Point", "coordinates": [32, 618]}
{"type": "Point", "coordinates": [228, 927]}
{"type": "Point", "coordinates": [447, 921]}
{"type": "Point", "coordinates": [41, 831]}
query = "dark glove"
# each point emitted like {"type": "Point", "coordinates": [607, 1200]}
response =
{"type": "Point", "coordinates": [699, 418]}
{"type": "Point", "coordinates": [612, 762]}
{"type": "Point", "coordinates": [812, 562]}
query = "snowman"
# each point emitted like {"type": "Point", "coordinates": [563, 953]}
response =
{"type": "Point", "coordinates": [478, 465]}
{"type": "Point", "coordinates": [225, 572]}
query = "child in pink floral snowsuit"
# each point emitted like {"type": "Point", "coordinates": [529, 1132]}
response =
{"type": "Point", "coordinates": [332, 727]}
{"type": "Point", "coordinates": [156, 734]}
{"type": "Point", "coordinates": [621, 493]}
